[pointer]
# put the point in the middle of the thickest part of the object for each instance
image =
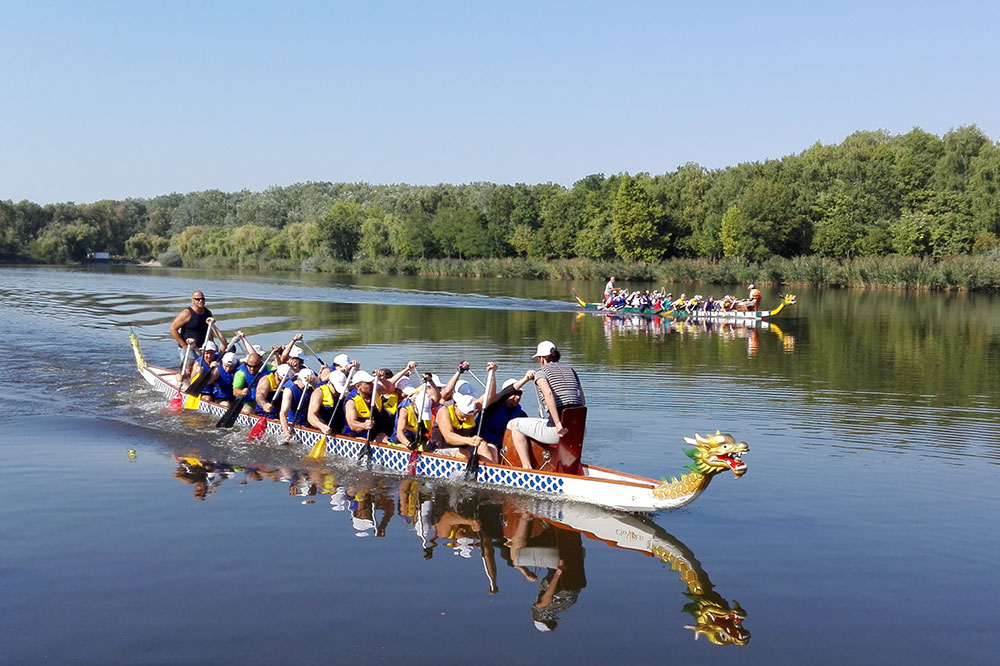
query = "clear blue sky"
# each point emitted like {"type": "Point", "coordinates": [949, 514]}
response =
{"type": "Point", "coordinates": [120, 99]}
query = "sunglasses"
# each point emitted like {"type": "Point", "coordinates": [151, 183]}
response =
{"type": "Point", "coordinates": [198, 299]}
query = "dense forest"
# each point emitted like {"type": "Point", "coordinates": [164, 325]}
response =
{"type": "Point", "coordinates": [875, 194]}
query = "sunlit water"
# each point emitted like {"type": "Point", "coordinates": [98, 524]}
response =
{"type": "Point", "coordinates": [864, 529]}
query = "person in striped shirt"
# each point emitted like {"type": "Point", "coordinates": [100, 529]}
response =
{"type": "Point", "coordinates": [558, 387]}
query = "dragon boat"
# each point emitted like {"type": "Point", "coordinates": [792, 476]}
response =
{"type": "Point", "coordinates": [734, 316]}
{"type": "Point", "coordinates": [560, 473]}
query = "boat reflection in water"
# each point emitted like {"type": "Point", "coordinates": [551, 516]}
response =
{"type": "Point", "coordinates": [540, 539]}
{"type": "Point", "coordinates": [618, 324]}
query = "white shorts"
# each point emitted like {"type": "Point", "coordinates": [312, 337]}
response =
{"type": "Point", "coordinates": [537, 429]}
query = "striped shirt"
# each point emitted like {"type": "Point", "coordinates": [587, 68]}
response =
{"type": "Point", "coordinates": [565, 385]}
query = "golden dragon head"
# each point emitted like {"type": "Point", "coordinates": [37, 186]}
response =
{"type": "Point", "coordinates": [717, 622]}
{"type": "Point", "coordinates": [716, 453]}
{"type": "Point", "coordinates": [789, 299]}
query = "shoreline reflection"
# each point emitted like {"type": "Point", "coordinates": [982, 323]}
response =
{"type": "Point", "coordinates": [542, 540]}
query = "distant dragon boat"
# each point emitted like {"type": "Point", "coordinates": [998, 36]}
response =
{"type": "Point", "coordinates": [561, 473]}
{"type": "Point", "coordinates": [718, 315]}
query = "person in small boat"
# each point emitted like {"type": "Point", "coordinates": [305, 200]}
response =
{"type": "Point", "coordinates": [558, 388]}
{"type": "Point", "coordinates": [609, 288]}
{"type": "Point", "coordinates": [504, 408]}
{"type": "Point", "coordinates": [358, 410]}
{"type": "Point", "coordinates": [190, 328]}
{"type": "Point", "coordinates": [753, 301]}
{"type": "Point", "coordinates": [295, 402]}
{"type": "Point", "coordinates": [455, 427]}
{"type": "Point", "coordinates": [245, 382]}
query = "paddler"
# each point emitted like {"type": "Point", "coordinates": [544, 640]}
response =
{"type": "Point", "coordinates": [358, 410]}
{"type": "Point", "coordinates": [222, 384]}
{"type": "Point", "coordinates": [294, 402]}
{"type": "Point", "coordinates": [558, 388]}
{"type": "Point", "coordinates": [245, 382]}
{"type": "Point", "coordinates": [267, 395]}
{"type": "Point", "coordinates": [455, 428]}
{"type": "Point", "coordinates": [324, 400]}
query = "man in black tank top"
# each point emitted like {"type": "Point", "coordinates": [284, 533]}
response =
{"type": "Point", "coordinates": [191, 326]}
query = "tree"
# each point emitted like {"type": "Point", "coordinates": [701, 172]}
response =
{"type": "Point", "coordinates": [340, 229]}
{"type": "Point", "coordinates": [984, 189]}
{"type": "Point", "coordinates": [143, 246]}
{"type": "Point", "coordinates": [634, 224]}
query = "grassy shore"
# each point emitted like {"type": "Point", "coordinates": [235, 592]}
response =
{"type": "Point", "coordinates": [964, 272]}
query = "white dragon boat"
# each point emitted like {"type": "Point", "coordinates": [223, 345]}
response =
{"type": "Point", "coordinates": [587, 483]}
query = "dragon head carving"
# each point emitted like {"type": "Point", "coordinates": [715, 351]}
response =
{"type": "Point", "coordinates": [717, 622]}
{"type": "Point", "coordinates": [716, 453]}
{"type": "Point", "coordinates": [789, 299]}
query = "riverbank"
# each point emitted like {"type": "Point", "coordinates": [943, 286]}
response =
{"type": "Point", "coordinates": [979, 272]}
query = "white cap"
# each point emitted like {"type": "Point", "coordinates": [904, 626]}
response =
{"type": "Point", "coordinates": [750, 287]}
{"type": "Point", "coordinates": [465, 403]}
{"type": "Point", "coordinates": [509, 382]}
{"type": "Point", "coordinates": [210, 346]}
{"type": "Point", "coordinates": [361, 376]}
{"type": "Point", "coordinates": [258, 349]}
{"type": "Point", "coordinates": [228, 357]}
{"type": "Point", "coordinates": [283, 370]}
{"type": "Point", "coordinates": [341, 359]}
{"type": "Point", "coordinates": [544, 348]}
{"type": "Point", "coordinates": [464, 387]}
{"type": "Point", "coordinates": [405, 386]}
{"type": "Point", "coordinates": [305, 374]}
{"type": "Point", "coordinates": [437, 381]}
{"type": "Point", "coordinates": [541, 626]}
{"type": "Point", "coordinates": [296, 352]}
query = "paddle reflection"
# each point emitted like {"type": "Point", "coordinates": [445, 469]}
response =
{"type": "Point", "coordinates": [542, 540]}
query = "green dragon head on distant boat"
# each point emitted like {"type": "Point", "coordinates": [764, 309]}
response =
{"type": "Point", "coordinates": [712, 454]}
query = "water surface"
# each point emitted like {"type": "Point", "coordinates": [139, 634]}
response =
{"type": "Point", "coordinates": [863, 529]}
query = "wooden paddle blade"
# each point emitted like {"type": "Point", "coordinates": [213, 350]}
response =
{"type": "Point", "coordinates": [229, 418]}
{"type": "Point", "coordinates": [198, 384]}
{"type": "Point", "coordinates": [318, 449]}
{"type": "Point", "coordinates": [366, 453]}
{"type": "Point", "coordinates": [472, 467]}
{"type": "Point", "coordinates": [257, 431]}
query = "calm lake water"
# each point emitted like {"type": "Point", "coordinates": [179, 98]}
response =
{"type": "Point", "coordinates": [864, 530]}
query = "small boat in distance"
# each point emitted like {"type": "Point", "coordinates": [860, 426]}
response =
{"type": "Point", "coordinates": [561, 474]}
{"type": "Point", "coordinates": [734, 315]}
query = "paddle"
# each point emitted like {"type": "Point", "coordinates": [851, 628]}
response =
{"type": "Point", "coordinates": [319, 449]}
{"type": "Point", "coordinates": [175, 402]}
{"type": "Point", "coordinates": [195, 387]}
{"type": "Point", "coordinates": [411, 463]}
{"type": "Point", "coordinates": [229, 418]}
{"type": "Point", "coordinates": [313, 352]}
{"type": "Point", "coordinates": [472, 466]}
{"type": "Point", "coordinates": [366, 449]}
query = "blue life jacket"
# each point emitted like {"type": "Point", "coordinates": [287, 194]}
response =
{"type": "Point", "coordinates": [222, 389]}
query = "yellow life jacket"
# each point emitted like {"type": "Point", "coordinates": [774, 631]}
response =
{"type": "Point", "coordinates": [411, 420]}
{"type": "Point", "coordinates": [364, 413]}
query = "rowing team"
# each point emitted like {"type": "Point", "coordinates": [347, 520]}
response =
{"type": "Point", "coordinates": [657, 301]}
{"type": "Point", "coordinates": [420, 412]}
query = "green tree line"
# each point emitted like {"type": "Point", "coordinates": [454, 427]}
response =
{"type": "Point", "coordinates": [874, 194]}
